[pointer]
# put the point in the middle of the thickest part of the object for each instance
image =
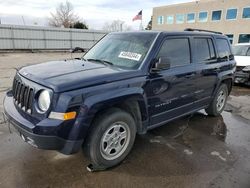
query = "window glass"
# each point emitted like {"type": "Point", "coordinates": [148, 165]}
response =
{"type": "Point", "coordinates": [160, 20]}
{"type": "Point", "coordinates": [180, 18]}
{"type": "Point", "coordinates": [124, 50]}
{"type": "Point", "coordinates": [177, 51]}
{"type": "Point", "coordinates": [203, 17]}
{"type": "Point", "coordinates": [170, 19]}
{"type": "Point", "coordinates": [191, 18]}
{"type": "Point", "coordinates": [243, 38]}
{"type": "Point", "coordinates": [241, 50]}
{"type": "Point", "coordinates": [223, 49]}
{"type": "Point", "coordinates": [203, 50]}
{"type": "Point", "coordinates": [248, 52]}
{"type": "Point", "coordinates": [216, 15]}
{"type": "Point", "coordinates": [211, 49]}
{"type": "Point", "coordinates": [231, 14]}
{"type": "Point", "coordinates": [246, 13]}
{"type": "Point", "coordinates": [230, 37]}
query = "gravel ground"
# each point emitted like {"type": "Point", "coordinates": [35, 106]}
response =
{"type": "Point", "coordinates": [195, 151]}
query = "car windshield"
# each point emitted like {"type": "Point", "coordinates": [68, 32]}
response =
{"type": "Point", "coordinates": [124, 50]}
{"type": "Point", "coordinates": [241, 50]}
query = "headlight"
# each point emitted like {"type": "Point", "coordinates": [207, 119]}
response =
{"type": "Point", "coordinates": [247, 68]}
{"type": "Point", "coordinates": [44, 101]}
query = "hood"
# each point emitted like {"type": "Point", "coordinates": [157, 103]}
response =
{"type": "Point", "coordinates": [242, 60]}
{"type": "Point", "coordinates": [68, 75]}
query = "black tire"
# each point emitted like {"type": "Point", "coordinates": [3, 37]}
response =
{"type": "Point", "coordinates": [93, 146]}
{"type": "Point", "coordinates": [213, 109]}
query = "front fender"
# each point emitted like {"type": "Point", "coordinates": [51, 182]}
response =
{"type": "Point", "coordinates": [110, 98]}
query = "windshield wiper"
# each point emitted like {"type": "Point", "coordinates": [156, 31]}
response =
{"type": "Point", "coordinates": [101, 61]}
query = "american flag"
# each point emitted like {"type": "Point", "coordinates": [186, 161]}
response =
{"type": "Point", "coordinates": [138, 16]}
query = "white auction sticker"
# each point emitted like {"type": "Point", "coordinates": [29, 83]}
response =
{"type": "Point", "coordinates": [130, 55]}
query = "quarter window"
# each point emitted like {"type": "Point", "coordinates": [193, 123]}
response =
{"type": "Point", "coordinates": [216, 15]}
{"type": "Point", "coordinates": [224, 51]}
{"type": "Point", "coordinates": [170, 19]}
{"type": "Point", "coordinates": [203, 17]}
{"type": "Point", "coordinates": [246, 13]}
{"type": "Point", "coordinates": [191, 18]}
{"type": "Point", "coordinates": [177, 51]}
{"type": "Point", "coordinates": [180, 18]}
{"type": "Point", "coordinates": [231, 14]}
{"type": "Point", "coordinates": [203, 50]}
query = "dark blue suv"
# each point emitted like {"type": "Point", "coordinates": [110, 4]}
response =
{"type": "Point", "coordinates": [126, 84]}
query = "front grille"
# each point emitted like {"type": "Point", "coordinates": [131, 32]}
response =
{"type": "Point", "coordinates": [239, 68]}
{"type": "Point", "coordinates": [23, 95]}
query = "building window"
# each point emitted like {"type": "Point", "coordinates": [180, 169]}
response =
{"type": "Point", "coordinates": [246, 13]}
{"type": "Point", "coordinates": [160, 20]}
{"type": "Point", "coordinates": [191, 18]}
{"type": "Point", "coordinates": [216, 15]}
{"type": "Point", "coordinates": [231, 14]}
{"type": "Point", "coordinates": [170, 19]}
{"type": "Point", "coordinates": [244, 38]}
{"type": "Point", "coordinates": [180, 18]}
{"type": "Point", "coordinates": [203, 17]}
{"type": "Point", "coordinates": [230, 37]}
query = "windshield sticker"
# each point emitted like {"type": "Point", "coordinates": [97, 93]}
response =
{"type": "Point", "coordinates": [130, 55]}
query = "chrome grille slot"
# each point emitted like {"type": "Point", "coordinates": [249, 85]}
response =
{"type": "Point", "coordinates": [23, 95]}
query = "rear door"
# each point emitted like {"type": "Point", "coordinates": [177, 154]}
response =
{"type": "Point", "coordinates": [205, 60]}
{"type": "Point", "coordinates": [209, 65]}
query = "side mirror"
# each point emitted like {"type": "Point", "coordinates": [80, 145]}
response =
{"type": "Point", "coordinates": [78, 49]}
{"type": "Point", "coordinates": [163, 63]}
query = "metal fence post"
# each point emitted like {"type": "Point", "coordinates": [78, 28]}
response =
{"type": "Point", "coordinates": [71, 39]}
{"type": "Point", "coordinates": [44, 38]}
{"type": "Point", "coordinates": [12, 38]}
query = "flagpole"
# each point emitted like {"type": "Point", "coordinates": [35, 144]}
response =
{"type": "Point", "coordinates": [140, 26]}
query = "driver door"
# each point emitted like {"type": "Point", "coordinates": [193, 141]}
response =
{"type": "Point", "coordinates": [171, 92]}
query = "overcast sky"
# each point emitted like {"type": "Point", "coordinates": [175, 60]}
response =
{"type": "Point", "coordinates": [94, 12]}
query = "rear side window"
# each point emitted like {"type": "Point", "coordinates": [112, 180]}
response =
{"type": "Point", "coordinates": [203, 50]}
{"type": "Point", "coordinates": [224, 51]}
{"type": "Point", "coordinates": [177, 51]}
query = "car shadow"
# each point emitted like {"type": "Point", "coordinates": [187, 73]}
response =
{"type": "Point", "coordinates": [179, 148]}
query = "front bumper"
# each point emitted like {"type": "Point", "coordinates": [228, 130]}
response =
{"type": "Point", "coordinates": [26, 130]}
{"type": "Point", "coordinates": [242, 78]}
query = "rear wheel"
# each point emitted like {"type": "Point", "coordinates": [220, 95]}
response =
{"type": "Point", "coordinates": [219, 102]}
{"type": "Point", "coordinates": [111, 138]}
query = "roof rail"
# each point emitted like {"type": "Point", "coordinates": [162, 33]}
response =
{"type": "Point", "coordinates": [202, 30]}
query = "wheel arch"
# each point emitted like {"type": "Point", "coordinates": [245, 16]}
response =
{"type": "Point", "coordinates": [133, 102]}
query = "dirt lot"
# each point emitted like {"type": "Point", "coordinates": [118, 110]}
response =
{"type": "Point", "coordinates": [196, 151]}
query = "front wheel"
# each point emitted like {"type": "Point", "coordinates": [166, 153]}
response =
{"type": "Point", "coordinates": [111, 138]}
{"type": "Point", "coordinates": [219, 102]}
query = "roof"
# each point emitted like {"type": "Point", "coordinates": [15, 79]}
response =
{"type": "Point", "coordinates": [174, 32]}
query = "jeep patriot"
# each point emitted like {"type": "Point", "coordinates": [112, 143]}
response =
{"type": "Point", "coordinates": [126, 84]}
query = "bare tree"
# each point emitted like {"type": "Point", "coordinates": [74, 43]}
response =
{"type": "Point", "coordinates": [116, 25]}
{"type": "Point", "coordinates": [64, 16]}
